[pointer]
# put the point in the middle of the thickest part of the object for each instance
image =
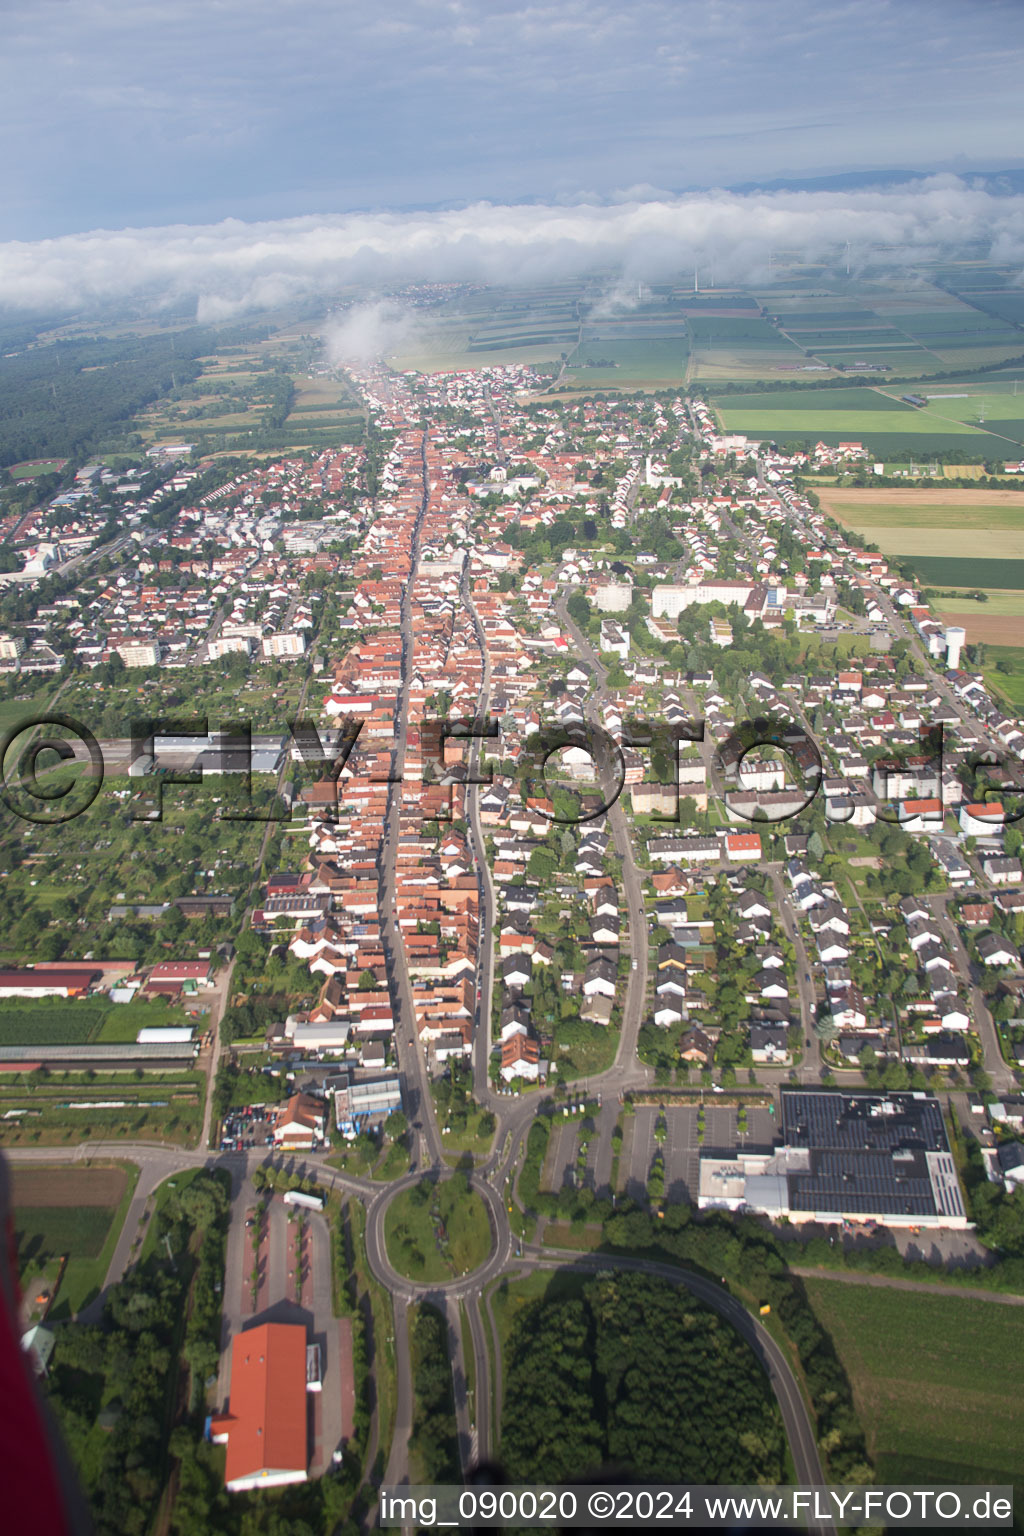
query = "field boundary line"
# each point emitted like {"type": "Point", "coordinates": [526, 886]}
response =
{"type": "Point", "coordinates": [893, 1282]}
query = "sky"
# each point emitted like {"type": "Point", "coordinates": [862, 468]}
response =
{"type": "Point", "coordinates": [142, 114]}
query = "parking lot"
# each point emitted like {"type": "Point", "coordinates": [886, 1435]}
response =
{"type": "Point", "coordinates": [561, 1154]}
{"type": "Point", "coordinates": [246, 1128]}
{"type": "Point", "coordinates": [682, 1146]}
{"type": "Point", "coordinates": [293, 1285]}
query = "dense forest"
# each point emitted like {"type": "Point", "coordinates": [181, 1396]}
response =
{"type": "Point", "coordinates": [634, 1373]}
{"type": "Point", "coordinates": [61, 399]}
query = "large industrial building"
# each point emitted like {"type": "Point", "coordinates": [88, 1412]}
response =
{"type": "Point", "coordinates": [857, 1157]}
{"type": "Point", "coordinates": [265, 1423]}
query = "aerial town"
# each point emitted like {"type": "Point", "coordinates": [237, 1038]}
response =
{"type": "Point", "coordinates": [536, 827]}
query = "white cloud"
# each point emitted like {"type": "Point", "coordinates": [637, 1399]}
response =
{"type": "Point", "coordinates": [233, 267]}
{"type": "Point", "coordinates": [373, 330]}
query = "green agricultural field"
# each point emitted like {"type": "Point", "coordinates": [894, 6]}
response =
{"type": "Point", "coordinates": [712, 328]}
{"type": "Point", "coordinates": [851, 401]}
{"type": "Point", "coordinates": [51, 1022]}
{"type": "Point", "coordinates": [72, 1211]}
{"type": "Point", "coordinates": [121, 1024]}
{"type": "Point", "coordinates": [985, 545]}
{"type": "Point", "coordinates": [59, 1229]}
{"type": "Point", "coordinates": [809, 422]}
{"type": "Point", "coordinates": [834, 338]}
{"type": "Point", "coordinates": [929, 1380]}
{"type": "Point", "coordinates": [1001, 416]}
{"type": "Point", "coordinates": [1006, 306]}
{"type": "Point", "coordinates": [940, 571]}
{"type": "Point", "coordinates": [652, 360]}
{"type": "Point", "coordinates": [890, 512]}
{"type": "Point", "coordinates": [932, 324]}
{"type": "Point", "coordinates": [998, 603]}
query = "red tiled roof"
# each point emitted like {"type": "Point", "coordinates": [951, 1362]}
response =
{"type": "Point", "coordinates": [266, 1424]}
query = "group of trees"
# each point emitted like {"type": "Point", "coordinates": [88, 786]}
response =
{"type": "Point", "coordinates": [632, 1373]}
{"type": "Point", "coordinates": [433, 1440]}
{"type": "Point", "coordinates": [253, 1017]}
{"type": "Point", "coordinates": [453, 1098]}
{"type": "Point", "coordinates": [123, 1369]}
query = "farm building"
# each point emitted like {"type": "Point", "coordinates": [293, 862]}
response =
{"type": "Point", "coordinates": [48, 981]}
{"type": "Point", "coordinates": [175, 975]}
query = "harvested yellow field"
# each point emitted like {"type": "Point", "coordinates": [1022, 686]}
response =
{"type": "Point", "coordinates": [982, 524]}
{"type": "Point", "coordinates": [977, 543]}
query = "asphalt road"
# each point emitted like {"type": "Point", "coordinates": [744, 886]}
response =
{"type": "Point", "coordinates": [795, 1416]}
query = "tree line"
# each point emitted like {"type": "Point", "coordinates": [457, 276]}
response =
{"type": "Point", "coordinates": [60, 400]}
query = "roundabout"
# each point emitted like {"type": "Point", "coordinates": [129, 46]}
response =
{"type": "Point", "coordinates": [439, 1232]}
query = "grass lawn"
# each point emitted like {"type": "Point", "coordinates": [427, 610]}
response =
{"type": "Point", "coordinates": [437, 1231]}
{"type": "Point", "coordinates": [86, 1228]}
{"type": "Point", "coordinates": [372, 1296]}
{"type": "Point", "coordinates": [471, 1139]}
{"type": "Point", "coordinates": [1010, 685]}
{"type": "Point", "coordinates": [394, 1162]}
{"type": "Point", "coordinates": [14, 711]}
{"type": "Point", "coordinates": [122, 1023]}
{"type": "Point", "coordinates": [929, 1378]}
{"type": "Point", "coordinates": [559, 1234]}
{"type": "Point", "coordinates": [592, 1050]}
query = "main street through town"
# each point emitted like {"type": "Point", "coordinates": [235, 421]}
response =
{"type": "Point", "coordinates": [465, 1300]}
{"type": "Point", "coordinates": [493, 1178]}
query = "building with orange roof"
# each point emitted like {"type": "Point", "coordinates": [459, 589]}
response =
{"type": "Point", "coordinates": [265, 1424]}
{"type": "Point", "coordinates": [984, 818]}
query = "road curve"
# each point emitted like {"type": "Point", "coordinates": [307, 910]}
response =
{"type": "Point", "coordinates": [795, 1416]}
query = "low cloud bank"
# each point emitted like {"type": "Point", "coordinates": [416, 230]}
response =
{"type": "Point", "coordinates": [234, 268]}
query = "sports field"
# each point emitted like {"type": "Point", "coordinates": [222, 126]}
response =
{"type": "Point", "coordinates": [929, 1378]}
{"type": "Point", "coordinates": [30, 468]}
